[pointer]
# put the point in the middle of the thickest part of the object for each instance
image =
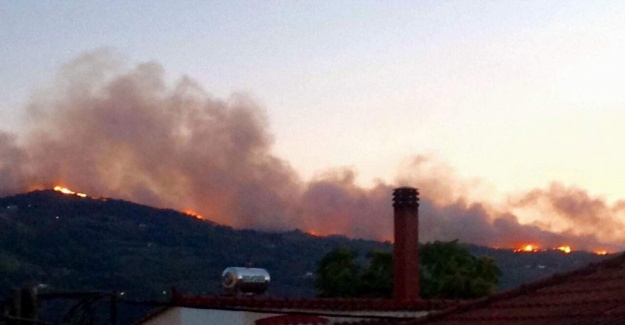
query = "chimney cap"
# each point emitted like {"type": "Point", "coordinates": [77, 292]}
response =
{"type": "Point", "coordinates": [405, 196]}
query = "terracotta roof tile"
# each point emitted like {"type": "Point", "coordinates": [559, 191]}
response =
{"type": "Point", "coordinates": [292, 319]}
{"type": "Point", "coordinates": [313, 304]}
{"type": "Point", "coordinates": [591, 295]}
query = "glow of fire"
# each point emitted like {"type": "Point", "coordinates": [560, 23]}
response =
{"type": "Point", "coordinates": [313, 233]}
{"type": "Point", "coordinates": [564, 249]}
{"type": "Point", "coordinates": [65, 190]}
{"type": "Point", "coordinates": [192, 213]}
{"type": "Point", "coordinates": [529, 248]}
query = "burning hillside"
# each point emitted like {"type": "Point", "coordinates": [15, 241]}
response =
{"type": "Point", "coordinates": [532, 248]}
{"type": "Point", "coordinates": [75, 243]}
{"type": "Point", "coordinates": [529, 248]}
{"type": "Point", "coordinates": [65, 190]}
{"type": "Point", "coordinates": [127, 133]}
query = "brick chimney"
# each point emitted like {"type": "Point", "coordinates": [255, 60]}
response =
{"type": "Point", "coordinates": [406, 253]}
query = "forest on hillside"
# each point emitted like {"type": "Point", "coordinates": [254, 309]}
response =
{"type": "Point", "coordinates": [68, 243]}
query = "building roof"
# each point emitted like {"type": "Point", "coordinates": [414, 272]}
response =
{"type": "Point", "coordinates": [383, 311]}
{"type": "Point", "coordinates": [592, 295]}
{"type": "Point", "coordinates": [312, 304]}
{"type": "Point", "coordinates": [380, 311]}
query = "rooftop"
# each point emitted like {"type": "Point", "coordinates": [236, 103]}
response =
{"type": "Point", "coordinates": [594, 294]}
{"type": "Point", "coordinates": [383, 311]}
{"type": "Point", "coordinates": [312, 304]}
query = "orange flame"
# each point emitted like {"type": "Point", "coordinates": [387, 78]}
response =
{"type": "Point", "coordinates": [532, 248]}
{"type": "Point", "coordinates": [192, 213]}
{"type": "Point", "coordinates": [529, 248]}
{"type": "Point", "coordinates": [67, 191]}
{"type": "Point", "coordinates": [601, 252]}
{"type": "Point", "coordinates": [564, 249]}
{"type": "Point", "coordinates": [63, 190]}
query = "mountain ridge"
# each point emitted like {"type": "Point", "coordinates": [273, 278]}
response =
{"type": "Point", "coordinates": [67, 242]}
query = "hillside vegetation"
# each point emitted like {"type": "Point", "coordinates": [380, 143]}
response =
{"type": "Point", "coordinates": [67, 243]}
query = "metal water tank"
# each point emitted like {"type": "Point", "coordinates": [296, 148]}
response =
{"type": "Point", "coordinates": [247, 280]}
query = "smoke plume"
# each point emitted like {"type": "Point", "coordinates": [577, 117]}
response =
{"type": "Point", "coordinates": [113, 131]}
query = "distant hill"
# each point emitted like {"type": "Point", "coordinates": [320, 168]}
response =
{"type": "Point", "coordinates": [66, 242]}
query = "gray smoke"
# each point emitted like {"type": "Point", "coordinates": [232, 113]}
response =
{"type": "Point", "coordinates": [113, 131]}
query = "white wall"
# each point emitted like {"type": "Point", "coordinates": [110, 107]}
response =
{"type": "Point", "coordinates": [213, 316]}
{"type": "Point", "coordinates": [170, 316]}
{"type": "Point", "coordinates": [193, 316]}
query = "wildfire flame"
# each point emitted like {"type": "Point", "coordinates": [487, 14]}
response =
{"type": "Point", "coordinates": [529, 248]}
{"type": "Point", "coordinates": [526, 248]}
{"type": "Point", "coordinates": [192, 213]}
{"type": "Point", "coordinates": [532, 248]}
{"type": "Point", "coordinates": [67, 191]}
{"type": "Point", "coordinates": [564, 249]}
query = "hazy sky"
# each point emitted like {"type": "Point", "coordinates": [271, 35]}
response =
{"type": "Point", "coordinates": [515, 94]}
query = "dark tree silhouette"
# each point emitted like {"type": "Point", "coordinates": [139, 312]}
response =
{"type": "Point", "coordinates": [339, 274]}
{"type": "Point", "coordinates": [447, 270]}
{"type": "Point", "coordinates": [377, 280]}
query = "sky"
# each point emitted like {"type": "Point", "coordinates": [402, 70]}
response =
{"type": "Point", "coordinates": [505, 98]}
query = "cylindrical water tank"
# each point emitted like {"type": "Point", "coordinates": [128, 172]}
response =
{"type": "Point", "coordinates": [245, 279]}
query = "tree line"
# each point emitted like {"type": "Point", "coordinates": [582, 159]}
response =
{"type": "Point", "coordinates": [447, 270]}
